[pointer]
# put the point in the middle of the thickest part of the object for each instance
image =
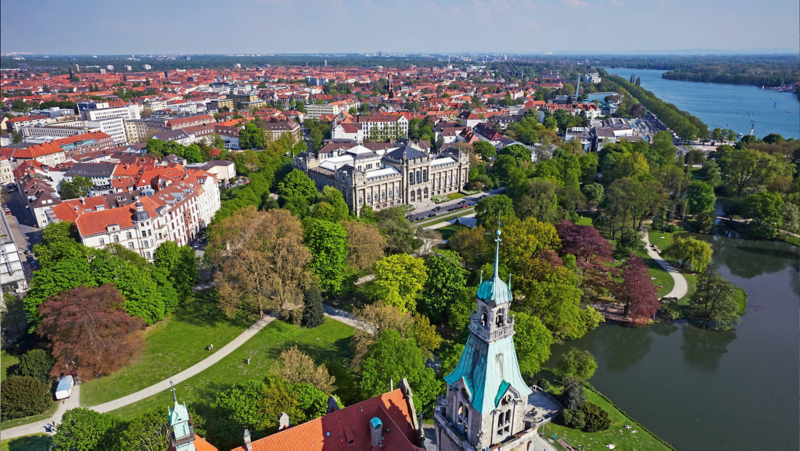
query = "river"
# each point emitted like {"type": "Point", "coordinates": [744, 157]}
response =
{"type": "Point", "coordinates": [700, 389]}
{"type": "Point", "coordinates": [725, 106]}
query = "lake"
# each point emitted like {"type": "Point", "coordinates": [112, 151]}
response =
{"type": "Point", "coordinates": [725, 106]}
{"type": "Point", "coordinates": [701, 389]}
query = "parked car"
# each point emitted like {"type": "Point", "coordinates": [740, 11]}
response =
{"type": "Point", "coordinates": [437, 208]}
{"type": "Point", "coordinates": [432, 215]}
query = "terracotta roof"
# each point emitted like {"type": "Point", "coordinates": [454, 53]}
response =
{"type": "Point", "coordinates": [348, 429]}
{"type": "Point", "coordinates": [36, 150]}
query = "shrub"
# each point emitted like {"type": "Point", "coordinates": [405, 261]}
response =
{"type": "Point", "coordinates": [597, 419]}
{"type": "Point", "coordinates": [671, 228]}
{"type": "Point", "coordinates": [36, 363]}
{"type": "Point", "coordinates": [23, 396]}
{"type": "Point", "coordinates": [573, 395]}
{"type": "Point", "coordinates": [574, 418]}
{"type": "Point", "coordinates": [544, 384]}
{"type": "Point", "coordinates": [577, 363]}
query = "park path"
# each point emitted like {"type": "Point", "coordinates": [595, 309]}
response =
{"type": "Point", "coordinates": [74, 400]}
{"type": "Point", "coordinates": [681, 287]}
{"type": "Point", "coordinates": [38, 427]}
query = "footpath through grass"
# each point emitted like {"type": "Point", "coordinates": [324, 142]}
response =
{"type": "Point", "coordinates": [616, 434]}
{"type": "Point", "coordinates": [33, 442]}
{"type": "Point", "coordinates": [450, 230]}
{"type": "Point", "coordinates": [327, 344]}
{"type": "Point", "coordinates": [171, 346]}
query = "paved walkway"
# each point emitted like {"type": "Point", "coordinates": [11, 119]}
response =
{"type": "Point", "coordinates": [681, 288]}
{"type": "Point", "coordinates": [74, 400]}
{"type": "Point", "coordinates": [37, 428]}
{"type": "Point", "coordinates": [343, 317]}
{"type": "Point", "coordinates": [451, 222]}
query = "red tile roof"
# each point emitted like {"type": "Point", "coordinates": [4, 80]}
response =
{"type": "Point", "coordinates": [335, 430]}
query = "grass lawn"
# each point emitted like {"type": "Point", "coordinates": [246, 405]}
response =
{"type": "Point", "coordinates": [432, 221]}
{"type": "Point", "coordinates": [450, 230]}
{"type": "Point", "coordinates": [584, 221]}
{"type": "Point", "coordinates": [171, 346]}
{"type": "Point", "coordinates": [616, 433]}
{"type": "Point", "coordinates": [791, 239]}
{"type": "Point", "coordinates": [655, 238]}
{"type": "Point", "coordinates": [7, 360]}
{"type": "Point", "coordinates": [328, 344]}
{"type": "Point", "coordinates": [34, 442]}
{"type": "Point", "coordinates": [662, 277]}
{"type": "Point", "coordinates": [20, 421]}
{"type": "Point", "coordinates": [454, 196]}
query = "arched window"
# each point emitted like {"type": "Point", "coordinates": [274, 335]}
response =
{"type": "Point", "coordinates": [426, 193]}
{"type": "Point", "coordinates": [484, 319]}
{"type": "Point", "coordinates": [419, 194]}
{"type": "Point", "coordinates": [412, 196]}
{"type": "Point", "coordinates": [499, 319]}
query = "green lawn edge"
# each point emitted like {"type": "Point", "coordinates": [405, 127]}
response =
{"type": "Point", "coordinates": [33, 442]}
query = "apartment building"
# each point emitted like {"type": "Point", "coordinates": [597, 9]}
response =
{"type": "Point", "coordinates": [277, 129]}
{"type": "Point", "coordinates": [12, 275]}
{"type": "Point", "coordinates": [17, 123]}
{"type": "Point", "coordinates": [6, 172]}
{"type": "Point", "coordinates": [314, 111]}
{"type": "Point", "coordinates": [124, 112]}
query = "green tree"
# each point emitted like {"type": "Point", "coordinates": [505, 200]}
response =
{"type": "Point", "coordinates": [297, 192]}
{"type": "Point", "coordinates": [629, 242]}
{"type": "Point", "coordinates": [398, 279]}
{"type": "Point", "coordinates": [17, 138]}
{"type": "Point", "coordinates": [766, 211]}
{"type": "Point", "coordinates": [714, 301]}
{"type": "Point", "coordinates": [577, 363]}
{"type": "Point", "coordinates": [251, 137]}
{"type": "Point", "coordinates": [532, 343]}
{"type": "Point", "coordinates": [393, 358]}
{"type": "Point", "coordinates": [180, 266]}
{"type": "Point", "coordinates": [82, 429]}
{"type": "Point", "coordinates": [485, 149]}
{"type": "Point", "coordinates": [78, 187]}
{"type": "Point", "coordinates": [24, 396]}
{"type": "Point", "coordinates": [695, 253]}
{"type": "Point", "coordinates": [487, 210]}
{"type": "Point", "coordinates": [313, 313]}
{"type": "Point", "coordinates": [594, 193]}
{"type": "Point", "coordinates": [327, 242]}
{"type": "Point", "coordinates": [149, 431]}
{"type": "Point", "coordinates": [446, 282]}
{"type": "Point", "coordinates": [237, 408]}
{"type": "Point", "coordinates": [451, 357]}
{"type": "Point", "coordinates": [192, 154]}
{"type": "Point", "coordinates": [398, 230]}
{"type": "Point", "coordinates": [334, 198]}
{"type": "Point", "coordinates": [36, 363]}
{"type": "Point", "coordinates": [701, 197]}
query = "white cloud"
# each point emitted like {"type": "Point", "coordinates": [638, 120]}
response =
{"type": "Point", "coordinates": [576, 3]}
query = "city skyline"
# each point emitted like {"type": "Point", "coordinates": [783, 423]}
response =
{"type": "Point", "coordinates": [410, 26]}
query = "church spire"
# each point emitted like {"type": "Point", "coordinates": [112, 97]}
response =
{"type": "Point", "coordinates": [497, 240]}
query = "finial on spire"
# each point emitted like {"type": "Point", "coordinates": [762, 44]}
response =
{"type": "Point", "coordinates": [481, 278]}
{"type": "Point", "coordinates": [173, 390]}
{"type": "Point", "coordinates": [497, 250]}
{"type": "Point", "coordinates": [509, 282]}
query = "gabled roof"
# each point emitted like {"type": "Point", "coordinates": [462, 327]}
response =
{"type": "Point", "coordinates": [349, 428]}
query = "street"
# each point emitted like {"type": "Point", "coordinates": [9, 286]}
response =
{"type": "Point", "coordinates": [444, 206]}
{"type": "Point", "coordinates": [23, 227]}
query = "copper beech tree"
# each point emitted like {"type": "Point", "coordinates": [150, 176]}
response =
{"type": "Point", "coordinates": [89, 331]}
{"type": "Point", "coordinates": [262, 264]}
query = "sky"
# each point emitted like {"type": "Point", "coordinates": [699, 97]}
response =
{"type": "Point", "coordinates": [400, 26]}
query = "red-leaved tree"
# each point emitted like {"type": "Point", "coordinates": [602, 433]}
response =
{"type": "Point", "coordinates": [591, 250]}
{"type": "Point", "coordinates": [90, 333]}
{"type": "Point", "coordinates": [636, 291]}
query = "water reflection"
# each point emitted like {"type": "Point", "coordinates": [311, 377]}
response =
{"type": "Point", "coordinates": [622, 347]}
{"type": "Point", "coordinates": [666, 328]}
{"type": "Point", "coordinates": [702, 349]}
{"type": "Point", "coordinates": [749, 258]}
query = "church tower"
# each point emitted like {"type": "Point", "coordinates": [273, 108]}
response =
{"type": "Point", "coordinates": [487, 402]}
{"type": "Point", "coordinates": [182, 437]}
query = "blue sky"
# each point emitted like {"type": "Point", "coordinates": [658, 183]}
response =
{"type": "Point", "coordinates": [314, 26]}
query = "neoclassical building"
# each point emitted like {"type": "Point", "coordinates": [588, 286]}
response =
{"type": "Point", "coordinates": [488, 405]}
{"type": "Point", "coordinates": [385, 177]}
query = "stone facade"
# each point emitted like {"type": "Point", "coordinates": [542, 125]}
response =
{"type": "Point", "coordinates": [386, 178]}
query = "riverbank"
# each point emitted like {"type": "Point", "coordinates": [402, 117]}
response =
{"type": "Point", "coordinates": [617, 434]}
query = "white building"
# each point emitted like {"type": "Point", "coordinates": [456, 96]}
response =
{"type": "Point", "coordinates": [593, 77]}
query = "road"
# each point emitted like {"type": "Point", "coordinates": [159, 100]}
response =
{"type": "Point", "coordinates": [444, 206]}
{"type": "Point", "coordinates": [23, 227]}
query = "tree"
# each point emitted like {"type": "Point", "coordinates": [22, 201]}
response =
{"type": "Point", "coordinates": [240, 407]}
{"type": "Point", "coordinates": [766, 211]}
{"type": "Point", "coordinates": [695, 253]}
{"type": "Point", "coordinates": [636, 291]}
{"type": "Point", "coordinates": [630, 242]}
{"type": "Point", "coordinates": [488, 209]}
{"type": "Point", "coordinates": [24, 396]}
{"type": "Point", "coordinates": [327, 242]}
{"type": "Point", "coordinates": [83, 429]}
{"type": "Point", "coordinates": [78, 187]}
{"type": "Point", "coordinates": [446, 282]}
{"type": "Point", "coordinates": [393, 358]}
{"type": "Point", "coordinates": [472, 245]}
{"type": "Point", "coordinates": [597, 419]}
{"type": "Point", "coordinates": [594, 193]}
{"type": "Point", "coordinates": [295, 366]}
{"type": "Point", "coordinates": [577, 363]}
{"type": "Point", "coordinates": [539, 201]}
{"type": "Point", "coordinates": [451, 357]}
{"type": "Point", "coordinates": [365, 244]}
{"type": "Point", "coordinates": [297, 192]}
{"type": "Point", "coordinates": [398, 279]}
{"type": "Point", "coordinates": [179, 264]}
{"type": "Point", "coordinates": [573, 394]}
{"type": "Point", "coordinates": [714, 301]}
{"type": "Point", "coordinates": [485, 149]}
{"type": "Point", "coordinates": [193, 154]}
{"type": "Point", "coordinates": [555, 300]}
{"type": "Point", "coordinates": [525, 239]}
{"type": "Point", "coordinates": [36, 363]}
{"type": "Point", "coordinates": [149, 431]}
{"type": "Point", "coordinates": [17, 138]}
{"type": "Point", "coordinates": [13, 313]}
{"type": "Point", "coordinates": [251, 137]}
{"type": "Point", "coordinates": [266, 262]}
{"type": "Point", "coordinates": [376, 318]}
{"type": "Point", "coordinates": [532, 342]}
{"type": "Point", "coordinates": [398, 230]}
{"type": "Point", "coordinates": [334, 198]}
{"type": "Point", "coordinates": [701, 197]}
{"type": "Point", "coordinates": [313, 314]}
{"type": "Point", "coordinates": [584, 242]}
{"type": "Point", "coordinates": [89, 338]}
